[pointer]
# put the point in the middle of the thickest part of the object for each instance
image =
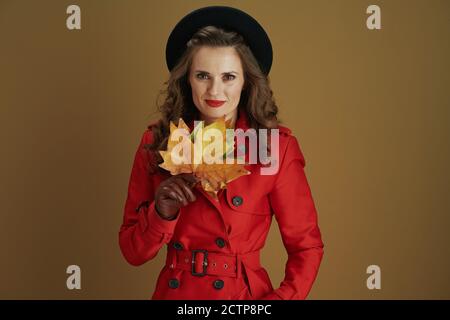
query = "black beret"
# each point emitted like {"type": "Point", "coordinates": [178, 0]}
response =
{"type": "Point", "coordinates": [228, 18]}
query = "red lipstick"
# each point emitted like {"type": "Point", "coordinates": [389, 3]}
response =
{"type": "Point", "coordinates": [215, 103]}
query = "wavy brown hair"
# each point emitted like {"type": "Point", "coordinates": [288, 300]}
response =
{"type": "Point", "coordinates": [256, 98]}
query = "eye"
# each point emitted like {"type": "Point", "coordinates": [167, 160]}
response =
{"type": "Point", "coordinates": [202, 76]}
{"type": "Point", "coordinates": [229, 77]}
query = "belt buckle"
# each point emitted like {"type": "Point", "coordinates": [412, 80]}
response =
{"type": "Point", "coordinates": [204, 262]}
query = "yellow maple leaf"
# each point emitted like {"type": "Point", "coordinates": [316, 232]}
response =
{"type": "Point", "coordinates": [203, 152]}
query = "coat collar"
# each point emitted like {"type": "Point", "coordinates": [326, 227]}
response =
{"type": "Point", "coordinates": [241, 122]}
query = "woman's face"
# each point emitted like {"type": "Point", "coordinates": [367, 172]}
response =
{"type": "Point", "coordinates": [216, 78]}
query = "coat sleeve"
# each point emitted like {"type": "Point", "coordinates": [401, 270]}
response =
{"type": "Point", "coordinates": [294, 210]}
{"type": "Point", "coordinates": [143, 232]}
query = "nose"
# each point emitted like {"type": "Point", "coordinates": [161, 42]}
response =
{"type": "Point", "coordinates": [215, 87]}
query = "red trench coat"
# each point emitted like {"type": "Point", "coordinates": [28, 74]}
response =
{"type": "Point", "coordinates": [229, 234]}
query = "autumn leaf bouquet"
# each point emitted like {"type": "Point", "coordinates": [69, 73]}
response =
{"type": "Point", "coordinates": [206, 152]}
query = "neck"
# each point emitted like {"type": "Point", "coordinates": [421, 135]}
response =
{"type": "Point", "coordinates": [232, 115]}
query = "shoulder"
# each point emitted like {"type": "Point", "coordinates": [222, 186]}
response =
{"type": "Point", "coordinates": [285, 135]}
{"type": "Point", "coordinates": [146, 139]}
{"type": "Point", "coordinates": [289, 145]}
{"type": "Point", "coordinates": [147, 135]}
{"type": "Point", "coordinates": [145, 156]}
{"type": "Point", "coordinates": [284, 131]}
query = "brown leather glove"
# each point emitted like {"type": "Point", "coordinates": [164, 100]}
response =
{"type": "Point", "coordinates": [174, 193]}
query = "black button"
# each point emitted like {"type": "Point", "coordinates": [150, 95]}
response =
{"type": "Point", "coordinates": [218, 284]}
{"type": "Point", "coordinates": [178, 246]}
{"type": "Point", "coordinates": [237, 201]}
{"type": "Point", "coordinates": [173, 283]}
{"type": "Point", "coordinates": [220, 242]}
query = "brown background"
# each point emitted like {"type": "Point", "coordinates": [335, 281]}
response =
{"type": "Point", "coordinates": [370, 110]}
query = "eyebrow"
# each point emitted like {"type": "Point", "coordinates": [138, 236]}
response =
{"type": "Point", "coordinates": [201, 71]}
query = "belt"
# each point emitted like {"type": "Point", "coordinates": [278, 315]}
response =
{"type": "Point", "coordinates": [201, 262]}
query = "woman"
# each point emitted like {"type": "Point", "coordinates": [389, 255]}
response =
{"type": "Point", "coordinates": [213, 247]}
